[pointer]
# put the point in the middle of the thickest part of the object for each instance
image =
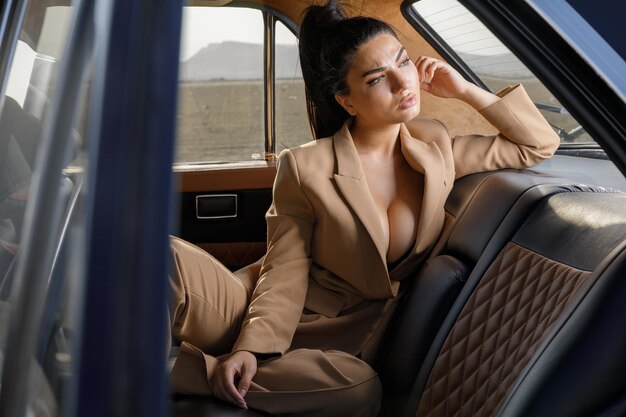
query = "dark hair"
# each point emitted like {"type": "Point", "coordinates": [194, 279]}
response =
{"type": "Point", "coordinates": [328, 41]}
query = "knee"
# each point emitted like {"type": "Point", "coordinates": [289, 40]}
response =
{"type": "Point", "coordinates": [315, 383]}
{"type": "Point", "coordinates": [361, 399]}
{"type": "Point", "coordinates": [357, 390]}
{"type": "Point", "coordinates": [364, 399]}
{"type": "Point", "coordinates": [177, 246]}
{"type": "Point", "coordinates": [362, 395]}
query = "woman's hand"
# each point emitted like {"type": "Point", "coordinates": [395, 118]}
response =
{"type": "Point", "coordinates": [440, 79]}
{"type": "Point", "coordinates": [233, 376]}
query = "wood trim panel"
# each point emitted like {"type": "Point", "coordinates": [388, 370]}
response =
{"type": "Point", "coordinates": [225, 177]}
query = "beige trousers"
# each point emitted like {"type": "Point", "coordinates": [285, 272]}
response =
{"type": "Point", "coordinates": [208, 304]}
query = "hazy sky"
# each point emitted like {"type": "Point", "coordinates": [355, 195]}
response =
{"type": "Point", "coordinates": [204, 25]}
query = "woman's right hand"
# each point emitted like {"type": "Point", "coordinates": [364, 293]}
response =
{"type": "Point", "coordinates": [241, 366]}
{"type": "Point", "coordinates": [441, 80]}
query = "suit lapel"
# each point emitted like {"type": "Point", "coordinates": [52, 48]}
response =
{"type": "Point", "coordinates": [425, 158]}
{"type": "Point", "coordinates": [353, 186]}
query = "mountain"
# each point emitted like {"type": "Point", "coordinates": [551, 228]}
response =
{"type": "Point", "coordinates": [244, 61]}
{"type": "Point", "coordinates": [238, 61]}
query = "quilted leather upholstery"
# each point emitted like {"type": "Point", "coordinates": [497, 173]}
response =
{"type": "Point", "coordinates": [235, 255]}
{"type": "Point", "coordinates": [497, 332]}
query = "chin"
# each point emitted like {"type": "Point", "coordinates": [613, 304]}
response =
{"type": "Point", "coordinates": [410, 114]}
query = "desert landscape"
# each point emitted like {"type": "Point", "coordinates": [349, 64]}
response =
{"type": "Point", "coordinates": [221, 118]}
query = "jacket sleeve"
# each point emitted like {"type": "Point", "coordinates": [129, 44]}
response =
{"type": "Point", "coordinates": [278, 298]}
{"type": "Point", "coordinates": [524, 138]}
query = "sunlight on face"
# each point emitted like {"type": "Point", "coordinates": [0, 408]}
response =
{"type": "Point", "coordinates": [383, 84]}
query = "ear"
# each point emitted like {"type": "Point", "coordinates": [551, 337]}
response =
{"type": "Point", "coordinates": [344, 101]}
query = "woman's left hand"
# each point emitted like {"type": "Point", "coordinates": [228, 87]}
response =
{"type": "Point", "coordinates": [241, 365]}
{"type": "Point", "coordinates": [440, 79]}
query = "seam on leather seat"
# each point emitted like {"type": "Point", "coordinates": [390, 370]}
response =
{"type": "Point", "coordinates": [523, 293]}
{"type": "Point", "coordinates": [575, 306]}
{"type": "Point", "coordinates": [442, 242]}
{"type": "Point", "coordinates": [507, 228]}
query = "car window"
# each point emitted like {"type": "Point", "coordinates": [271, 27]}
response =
{"type": "Point", "coordinates": [463, 35]}
{"type": "Point", "coordinates": [292, 124]}
{"type": "Point", "coordinates": [26, 104]}
{"type": "Point", "coordinates": [222, 108]}
{"type": "Point", "coordinates": [220, 105]}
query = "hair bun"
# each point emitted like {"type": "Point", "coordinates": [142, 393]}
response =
{"type": "Point", "coordinates": [328, 39]}
{"type": "Point", "coordinates": [317, 21]}
{"type": "Point", "coordinates": [328, 15]}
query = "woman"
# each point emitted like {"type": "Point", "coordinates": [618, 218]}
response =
{"type": "Point", "coordinates": [353, 214]}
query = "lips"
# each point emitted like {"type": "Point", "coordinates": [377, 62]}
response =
{"type": "Point", "coordinates": [407, 102]}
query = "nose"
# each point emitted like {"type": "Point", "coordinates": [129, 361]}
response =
{"type": "Point", "coordinates": [399, 81]}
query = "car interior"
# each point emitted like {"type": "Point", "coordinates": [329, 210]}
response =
{"type": "Point", "coordinates": [518, 310]}
{"type": "Point", "coordinates": [499, 318]}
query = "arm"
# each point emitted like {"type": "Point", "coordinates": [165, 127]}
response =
{"type": "Point", "coordinates": [278, 297]}
{"type": "Point", "coordinates": [524, 137]}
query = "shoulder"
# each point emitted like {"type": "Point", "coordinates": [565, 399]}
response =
{"type": "Point", "coordinates": [312, 153]}
{"type": "Point", "coordinates": [428, 130]}
{"type": "Point", "coordinates": [312, 158]}
{"type": "Point", "coordinates": [314, 147]}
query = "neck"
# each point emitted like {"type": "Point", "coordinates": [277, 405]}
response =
{"type": "Point", "coordinates": [375, 140]}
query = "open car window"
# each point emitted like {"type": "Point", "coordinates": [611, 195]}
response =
{"type": "Point", "coordinates": [235, 104]}
{"type": "Point", "coordinates": [460, 34]}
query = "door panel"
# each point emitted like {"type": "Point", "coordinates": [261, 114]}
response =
{"type": "Point", "coordinates": [237, 241]}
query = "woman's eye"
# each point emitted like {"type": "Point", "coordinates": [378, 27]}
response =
{"type": "Point", "coordinates": [375, 80]}
{"type": "Point", "coordinates": [405, 62]}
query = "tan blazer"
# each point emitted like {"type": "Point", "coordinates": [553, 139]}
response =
{"type": "Point", "coordinates": [326, 260]}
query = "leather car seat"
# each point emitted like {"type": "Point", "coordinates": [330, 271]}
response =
{"type": "Point", "coordinates": [534, 331]}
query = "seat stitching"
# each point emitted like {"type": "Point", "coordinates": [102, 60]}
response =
{"type": "Point", "coordinates": [500, 326]}
{"type": "Point", "coordinates": [535, 283]}
{"type": "Point", "coordinates": [544, 290]}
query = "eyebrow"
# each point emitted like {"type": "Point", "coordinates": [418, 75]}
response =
{"type": "Point", "coordinates": [379, 69]}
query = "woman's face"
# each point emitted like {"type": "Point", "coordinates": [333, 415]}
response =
{"type": "Point", "coordinates": [383, 84]}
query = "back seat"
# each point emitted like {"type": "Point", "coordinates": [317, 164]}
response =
{"type": "Point", "coordinates": [478, 206]}
{"type": "Point", "coordinates": [537, 328]}
{"type": "Point", "coordinates": [485, 213]}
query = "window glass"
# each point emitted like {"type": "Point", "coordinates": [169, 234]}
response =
{"type": "Point", "coordinates": [220, 104]}
{"type": "Point", "coordinates": [292, 124]}
{"type": "Point", "coordinates": [29, 92]}
{"type": "Point", "coordinates": [33, 73]}
{"type": "Point", "coordinates": [494, 63]}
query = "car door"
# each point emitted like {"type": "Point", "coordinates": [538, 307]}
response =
{"type": "Point", "coordinates": [241, 101]}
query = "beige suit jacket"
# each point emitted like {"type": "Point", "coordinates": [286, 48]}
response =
{"type": "Point", "coordinates": [326, 253]}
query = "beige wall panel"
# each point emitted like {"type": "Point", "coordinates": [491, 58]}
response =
{"type": "Point", "coordinates": [291, 8]}
{"type": "Point", "coordinates": [459, 117]}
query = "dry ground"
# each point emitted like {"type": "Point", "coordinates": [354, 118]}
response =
{"type": "Point", "coordinates": [223, 120]}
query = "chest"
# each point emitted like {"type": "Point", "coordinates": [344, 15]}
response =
{"type": "Point", "coordinates": [397, 191]}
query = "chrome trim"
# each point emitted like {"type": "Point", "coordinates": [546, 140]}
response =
{"type": "Point", "coordinates": [269, 28]}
